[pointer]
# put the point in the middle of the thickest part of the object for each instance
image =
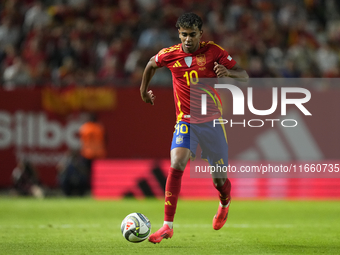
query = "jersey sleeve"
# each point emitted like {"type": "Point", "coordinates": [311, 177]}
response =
{"type": "Point", "coordinates": [160, 58]}
{"type": "Point", "coordinates": [224, 58]}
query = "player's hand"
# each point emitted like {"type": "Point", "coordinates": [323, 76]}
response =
{"type": "Point", "coordinates": [148, 97]}
{"type": "Point", "coordinates": [220, 70]}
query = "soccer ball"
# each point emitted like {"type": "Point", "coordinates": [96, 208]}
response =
{"type": "Point", "coordinates": [136, 227]}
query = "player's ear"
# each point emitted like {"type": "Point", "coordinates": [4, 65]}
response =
{"type": "Point", "coordinates": [179, 34]}
{"type": "Point", "coordinates": [201, 33]}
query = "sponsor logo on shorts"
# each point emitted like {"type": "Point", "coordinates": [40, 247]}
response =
{"type": "Point", "coordinates": [179, 139]}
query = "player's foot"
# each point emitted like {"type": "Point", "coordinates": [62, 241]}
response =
{"type": "Point", "coordinates": [221, 217]}
{"type": "Point", "coordinates": [163, 232]}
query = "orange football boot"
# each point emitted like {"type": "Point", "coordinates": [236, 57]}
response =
{"type": "Point", "coordinates": [163, 232]}
{"type": "Point", "coordinates": [221, 217]}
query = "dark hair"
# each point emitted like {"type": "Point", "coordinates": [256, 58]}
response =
{"type": "Point", "coordinates": [189, 20]}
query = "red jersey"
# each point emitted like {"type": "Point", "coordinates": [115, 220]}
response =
{"type": "Point", "coordinates": [187, 69]}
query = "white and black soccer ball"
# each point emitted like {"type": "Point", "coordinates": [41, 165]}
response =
{"type": "Point", "coordinates": [136, 227]}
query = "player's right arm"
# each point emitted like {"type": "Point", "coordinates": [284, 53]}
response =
{"type": "Point", "coordinates": [149, 71]}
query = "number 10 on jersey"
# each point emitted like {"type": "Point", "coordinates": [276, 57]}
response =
{"type": "Point", "coordinates": [191, 77]}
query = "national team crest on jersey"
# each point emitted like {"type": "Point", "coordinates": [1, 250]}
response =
{"type": "Point", "coordinates": [200, 60]}
{"type": "Point", "coordinates": [188, 61]}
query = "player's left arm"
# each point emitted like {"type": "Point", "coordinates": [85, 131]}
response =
{"type": "Point", "coordinates": [235, 72]}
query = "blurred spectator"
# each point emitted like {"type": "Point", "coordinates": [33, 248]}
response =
{"type": "Point", "coordinates": [65, 74]}
{"type": "Point", "coordinates": [147, 5]}
{"type": "Point", "coordinates": [86, 77]}
{"type": "Point", "coordinates": [36, 15]}
{"type": "Point", "coordinates": [41, 74]}
{"type": "Point", "coordinates": [289, 70]}
{"type": "Point", "coordinates": [26, 181]}
{"type": "Point", "coordinates": [126, 13]}
{"type": "Point", "coordinates": [216, 18]}
{"type": "Point", "coordinates": [115, 58]}
{"type": "Point", "coordinates": [132, 61]}
{"type": "Point", "coordinates": [9, 33]}
{"type": "Point", "coordinates": [10, 54]}
{"type": "Point", "coordinates": [274, 59]}
{"type": "Point", "coordinates": [33, 55]}
{"type": "Point", "coordinates": [83, 56]}
{"type": "Point", "coordinates": [92, 138]}
{"type": "Point", "coordinates": [288, 14]}
{"type": "Point", "coordinates": [73, 174]}
{"type": "Point", "coordinates": [328, 61]}
{"type": "Point", "coordinates": [255, 69]}
{"type": "Point", "coordinates": [61, 39]}
{"type": "Point", "coordinates": [61, 50]}
{"type": "Point", "coordinates": [108, 72]}
{"type": "Point", "coordinates": [301, 54]}
{"type": "Point", "coordinates": [154, 37]}
{"type": "Point", "coordinates": [17, 75]}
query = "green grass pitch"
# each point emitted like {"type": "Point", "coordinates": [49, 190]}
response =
{"type": "Point", "coordinates": [86, 226]}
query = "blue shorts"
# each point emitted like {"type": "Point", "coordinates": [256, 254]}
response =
{"type": "Point", "coordinates": [212, 140]}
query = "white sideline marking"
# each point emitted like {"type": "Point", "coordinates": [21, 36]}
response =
{"type": "Point", "coordinates": [230, 225]}
{"type": "Point", "coordinates": [70, 226]}
{"type": "Point", "coordinates": [52, 226]}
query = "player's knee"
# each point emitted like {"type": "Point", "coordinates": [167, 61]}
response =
{"type": "Point", "coordinates": [219, 182]}
{"type": "Point", "coordinates": [178, 164]}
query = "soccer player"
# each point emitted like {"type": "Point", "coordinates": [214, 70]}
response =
{"type": "Point", "coordinates": [188, 62]}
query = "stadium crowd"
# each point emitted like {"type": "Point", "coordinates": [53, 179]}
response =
{"type": "Point", "coordinates": [83, 42]}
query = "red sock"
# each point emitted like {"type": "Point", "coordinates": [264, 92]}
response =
{"type": "Point", "coordinates": [224, 192]}
{"type": "Point", "coordinates": [172, 189]}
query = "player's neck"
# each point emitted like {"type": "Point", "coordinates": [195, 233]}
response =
{"type": "Point", "coordinates": [190, 52]}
